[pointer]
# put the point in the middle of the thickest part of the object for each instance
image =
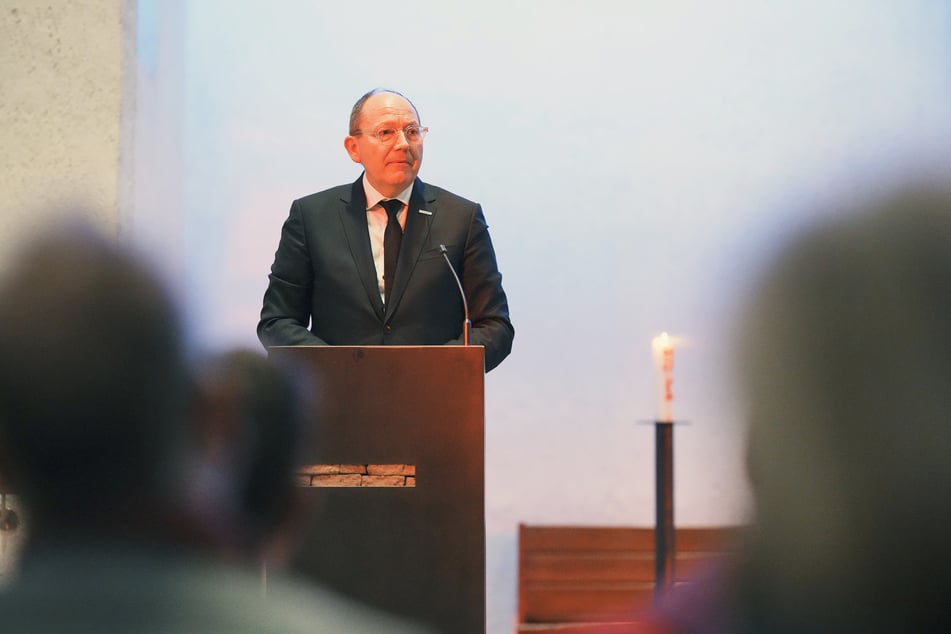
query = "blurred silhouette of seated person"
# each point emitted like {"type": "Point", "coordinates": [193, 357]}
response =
{"type": "Point", "coordinates": [251, 432]}
{"type": "Point", "coordinates": [846, 359]}
{"type": "Point", "coordinates": [98, 436]}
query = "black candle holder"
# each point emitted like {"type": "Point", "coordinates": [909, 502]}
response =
{"type": "Point", "coordinates": [665, 547]}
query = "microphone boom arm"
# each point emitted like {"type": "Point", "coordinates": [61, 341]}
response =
{"type": "Point", "coordinates": [466, 325]}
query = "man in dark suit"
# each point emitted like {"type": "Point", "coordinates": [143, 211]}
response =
{"type": "Point", "coordinates": [362, 264]}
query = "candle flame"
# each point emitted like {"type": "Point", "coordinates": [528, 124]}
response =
{"type": "Point", "coordinates": [662, 341]}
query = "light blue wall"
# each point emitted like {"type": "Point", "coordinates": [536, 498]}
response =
{"type": "Point", "coordinates": [637, 161]}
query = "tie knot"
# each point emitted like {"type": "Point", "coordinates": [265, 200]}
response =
{"type": "Point", "coordinates": [392, 207]}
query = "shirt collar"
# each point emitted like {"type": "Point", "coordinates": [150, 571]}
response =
{"type": "Point", "coordinates": [374, 197]}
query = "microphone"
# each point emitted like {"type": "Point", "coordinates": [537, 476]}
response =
{"type": "Point", "coordinates": [466, 325]}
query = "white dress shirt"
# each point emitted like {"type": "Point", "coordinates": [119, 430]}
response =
{"type": "Point", "coordinates": [376, 223]}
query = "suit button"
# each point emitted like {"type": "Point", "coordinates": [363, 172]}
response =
{"type": "Point", "coordinates": [387, 328]}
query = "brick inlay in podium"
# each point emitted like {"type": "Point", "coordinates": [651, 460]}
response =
{"type": "Point", "coordinates": [360, 475]}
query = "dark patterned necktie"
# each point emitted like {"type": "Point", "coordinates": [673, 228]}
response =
{"type": "Point", "coordinates": [392, 238]}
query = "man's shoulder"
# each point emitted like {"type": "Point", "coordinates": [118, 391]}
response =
{"type": "Point", "coordinates": [52, 594]}
{"type": "Point", "coordinates": [337, 194]}
{"type": "Point", "coordinates": [442, 195]}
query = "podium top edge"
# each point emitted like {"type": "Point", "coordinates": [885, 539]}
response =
{"type": "Point", "coordinates": [373, 347]}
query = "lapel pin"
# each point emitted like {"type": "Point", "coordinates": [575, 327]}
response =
{"type": "Point", "coordinates": [423, 211]}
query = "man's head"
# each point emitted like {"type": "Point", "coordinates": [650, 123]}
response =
{"type": "Point", "coordinates": [94, 385]}
{"type": "Point", "coordinates": [252, 431]}
{"type": "Point", "coordinates": [845, 356]}
{"type": "Point", "coordinates": [386, 138]}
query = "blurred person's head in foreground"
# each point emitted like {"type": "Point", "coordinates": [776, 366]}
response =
{"type": "Point", "coordinates": [252, 429]}
{"type": "Point", "coordinates": [99, 413]}
{"type": "Point", "coordinates": [846, 355]}
{"type": "Point", "coordinates": [94, 387]}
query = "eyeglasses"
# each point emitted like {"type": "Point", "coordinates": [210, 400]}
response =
{"type": "Point", "coordinates": [413, 134]}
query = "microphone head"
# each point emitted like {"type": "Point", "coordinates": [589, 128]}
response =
{"type": "Point", "coordinates": [443, 249]}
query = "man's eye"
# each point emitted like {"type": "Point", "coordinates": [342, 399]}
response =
{"type": "Point", "coordinates": [385, 134]}
{"type": "Point", "coordinates": [412, 133]}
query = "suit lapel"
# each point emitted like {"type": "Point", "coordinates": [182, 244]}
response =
{"type": "Point", "coordinates": [415, 237]}
{"type": "Point", "coordinates": [354, 219]}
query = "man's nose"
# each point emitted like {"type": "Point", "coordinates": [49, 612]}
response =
{"type": "Point", "coordinates": [401, 139]}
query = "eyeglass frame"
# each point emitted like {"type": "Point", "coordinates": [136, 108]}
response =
{"type": "Point", "coordinates": [423, 130]}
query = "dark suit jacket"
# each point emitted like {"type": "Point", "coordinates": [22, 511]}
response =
{"type": "Point", "coordinates": [323, 274]}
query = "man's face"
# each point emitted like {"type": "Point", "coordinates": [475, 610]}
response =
{"type": "Point", "coordinates": [390, 166]}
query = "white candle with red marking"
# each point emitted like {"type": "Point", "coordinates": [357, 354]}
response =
{"type": "Point", "coordinates": [663, 349]}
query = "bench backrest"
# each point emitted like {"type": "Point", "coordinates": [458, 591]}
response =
{"type": "Point", "coordinates": [576, 574]}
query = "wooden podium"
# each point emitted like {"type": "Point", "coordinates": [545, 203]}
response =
{"type": "Point", "coordinates": [418, 551]}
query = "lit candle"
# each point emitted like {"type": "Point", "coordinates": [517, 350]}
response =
{"type": "Point", "coordinates": [663, 349]}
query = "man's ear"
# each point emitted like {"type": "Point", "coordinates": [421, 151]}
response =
{"type": "Point", "coordinates": [350, 143]}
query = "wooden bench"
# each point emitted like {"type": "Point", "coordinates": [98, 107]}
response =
{"type": "Point", "coordinates": [574, 579]}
